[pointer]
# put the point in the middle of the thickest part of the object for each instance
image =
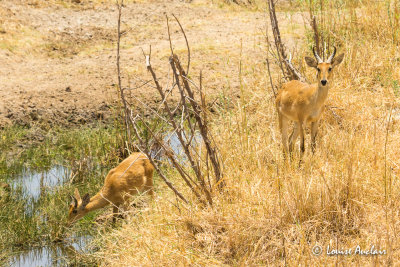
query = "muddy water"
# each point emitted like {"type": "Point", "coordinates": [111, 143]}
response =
{"type": "Point", "coordinates": [33, 184]}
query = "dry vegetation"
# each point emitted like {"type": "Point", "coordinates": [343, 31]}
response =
{"type": "Point", "coordinates": [273, 212]}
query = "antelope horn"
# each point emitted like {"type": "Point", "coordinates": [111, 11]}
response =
{"type": "Point", "coordinates": [332, 56]}
{"type": "Point", "coordinates": [316, 55]}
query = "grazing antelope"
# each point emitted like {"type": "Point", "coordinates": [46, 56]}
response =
{"type": "Point", "coordinates": [302, 102]}
{"type": "Point", "coordinates": [131, 176]}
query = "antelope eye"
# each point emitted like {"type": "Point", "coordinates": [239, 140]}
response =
{"type": "Point", "coordinates": [318, 69]}
{"type": "Point", "coordinates": [330, 69]}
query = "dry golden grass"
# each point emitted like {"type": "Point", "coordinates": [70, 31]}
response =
{"type": "Point", "coordinates": [273, 212]}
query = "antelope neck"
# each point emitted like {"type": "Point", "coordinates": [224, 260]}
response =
{"type": "Point", "coordinates": [97, 202]}
{"type": "Point", "coordinates": [322, 93]}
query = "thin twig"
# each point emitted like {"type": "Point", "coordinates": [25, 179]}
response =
{"type": "Point", "coordinates": [187, 44]}
{"type": "Point", "coordinates": [119, 6]}
{"type": "Point", "coordinates": [169, 36]}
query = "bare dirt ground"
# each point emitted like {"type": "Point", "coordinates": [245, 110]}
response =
{"type": "Point", "coordinates": [58, 61]}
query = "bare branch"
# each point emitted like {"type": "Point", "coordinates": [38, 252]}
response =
{"type": "Point", "coordinates": [169, 36]}
{"type": "Point", "coordinates": [270, 77]}
{"type": "Point", "coordinates": [316, 35]}
{"type": "Point", "coordinates": [202, 125]}
{"type": "Point", "coordinates": [289, 71]}
{"type": "Point", "coordinates": [121, 91]}
{"type": "Point", "coordinates": [187, 44]}
{"type": "Point", "coordinates": [184, 120]}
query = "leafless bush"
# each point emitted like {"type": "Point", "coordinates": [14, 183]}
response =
{"type": "Point", "coordinates": [184, 121]}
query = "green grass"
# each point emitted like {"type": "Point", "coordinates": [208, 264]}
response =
{"type": "Point", "coordinates": [69, 147]}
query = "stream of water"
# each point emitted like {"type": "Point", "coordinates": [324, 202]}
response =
{"type": "Point", "coordinates": [32, 185]}
{"type": "Point", "coordinates": [58, 254]}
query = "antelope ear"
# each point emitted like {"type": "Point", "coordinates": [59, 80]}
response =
{"type": "Point", "coordinates": [74, 202]}
{"type": "Point", "coordinates": [337, 60]}
{"type": "Point", "coordinates": [85, 200]}
{"type": "Point", "coordinates": [311, 62]}
{"type": "Point", "coordinates": [77, 195]}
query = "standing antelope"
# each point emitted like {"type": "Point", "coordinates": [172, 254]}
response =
{"type": "Point", "coordinates": [302, 102]}
{"type": "Point", "coordinates": [131, 176]}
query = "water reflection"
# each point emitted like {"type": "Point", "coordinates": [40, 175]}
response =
{"type": "Point", "coordinates": [60, 254]}
{"type": "Point", "coordinates": [34, 183]}
{"type": "Point", "coordinates": [172, 140]}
